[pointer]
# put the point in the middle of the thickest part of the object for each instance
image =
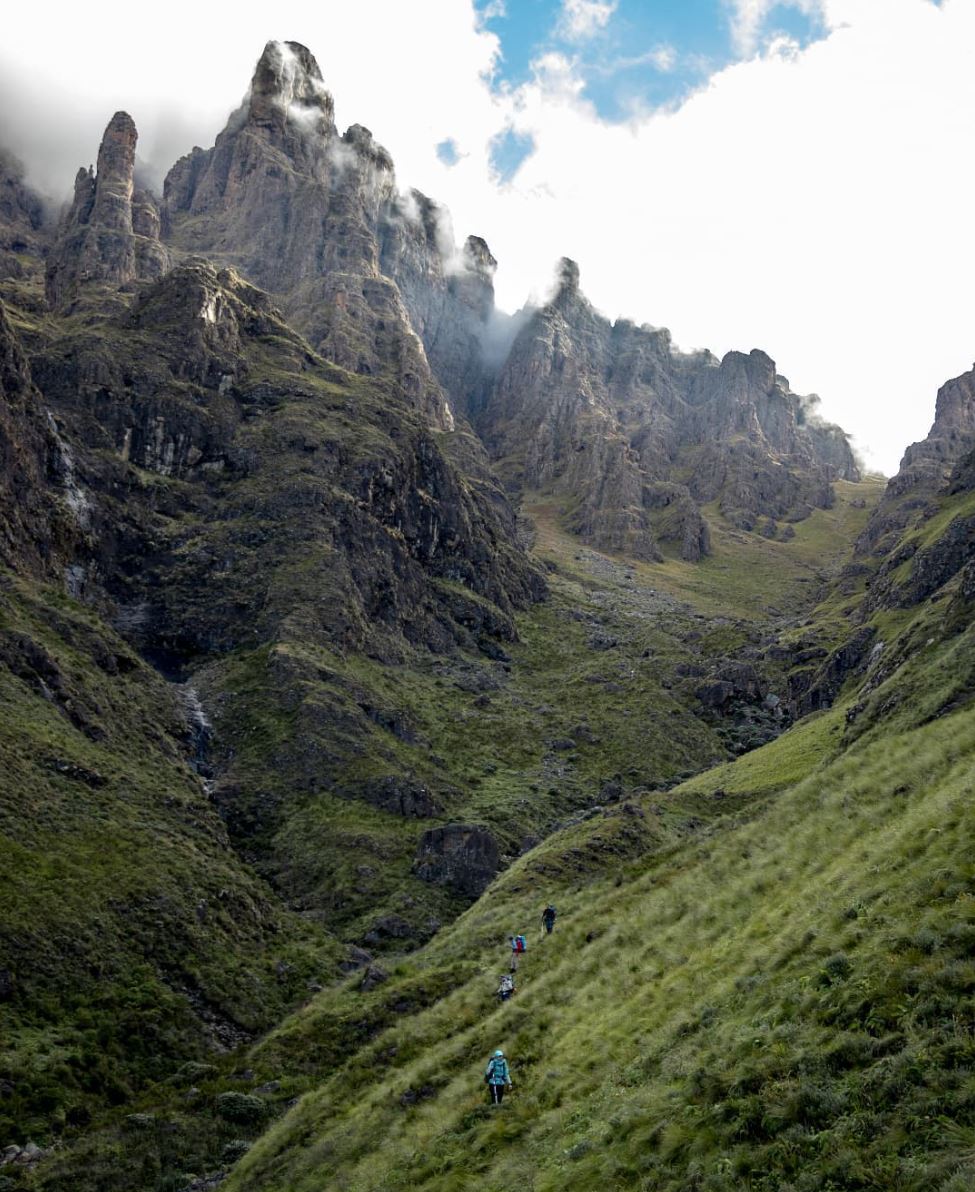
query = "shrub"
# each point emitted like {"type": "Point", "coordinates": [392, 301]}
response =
{"type": "Point", "coordinates": [836, 968]}
{"type": "Point", "coordinates": [242, 1108]}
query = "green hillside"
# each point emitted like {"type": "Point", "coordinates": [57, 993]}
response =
{"type": "Point", "coordinates": [776, 994]}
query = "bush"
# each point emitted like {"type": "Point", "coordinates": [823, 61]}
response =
{"type": "Point", "coordinates": [242, 1108]}
{"type": "Point", "coordinates": [836, 968]}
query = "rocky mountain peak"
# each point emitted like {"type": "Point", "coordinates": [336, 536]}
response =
{"type": "Point", "coordinates": [288, 86]}
{"type": "Point", "coordinates": [567, 280]}
{"type": "Point", "coordinates": [955, 408]}
{"type": "Point", "coordinates": [928, 466]}
{"type": "Point", "coordinates": [478, 258]}
{"type": "Point", "coordinates": [102, 236]}
{"type": "Point", "coordinates": [755, 369]}
{"type": "Point", "coordinates": [116, 173]}
{"type": "Point", "coordinates": [361, 140]}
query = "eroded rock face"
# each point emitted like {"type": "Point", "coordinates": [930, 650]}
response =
{"type": "Point", "coordinates": [21, 219]}
{"type": "Point", "coordinates": [109, 233]}
{"type": "Point", "coordinates": [928, 467]}
{"type": "Point", "coordinates": [640, 434]}
{"type": "Point", "coordinates": [284, 462]}
{"type": "Point", "coordinates": [461, 856]}
{"type": "Point", "coordinates": [449, 295]}
{"type": "Point", "coordinates": [37, 526]}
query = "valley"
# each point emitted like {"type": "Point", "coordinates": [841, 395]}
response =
{"type": "Point", "coordinates": [346, 621]}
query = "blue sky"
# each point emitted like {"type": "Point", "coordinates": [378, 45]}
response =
{"type": "Point", "coordinates": [636, 54]}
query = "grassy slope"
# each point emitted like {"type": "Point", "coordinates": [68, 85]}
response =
{"type": "Point", "coordinates": [780, 1001]}
{"type": "Point", "coordinates": [776, 994]}
{"type": "Point", "coordinates": [494, 747]}
{"type": "Point", "coordinates": [132, 936]}
{"type": "Point", "coordinates": [484, 731]}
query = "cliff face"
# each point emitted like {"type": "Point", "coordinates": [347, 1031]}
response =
{"type": "Point", "coordinates": [634, 436]}
{"type": "Point", "coordinates": [448, 293]}
{"type": "Point", "coordinates": [42, 509]}
{"type": "Point", "coordinates": [21, 218]}
{"type": "Point", "coordinates": [641, 435]}
{"type": "Point", "coordinates": [183, 386]}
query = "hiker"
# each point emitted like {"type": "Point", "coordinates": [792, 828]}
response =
{"type": "Point", "coordinates": [497, 1077]}
{"type": "Point", "coordinates": [548, 918]}
{"type": "Point", "coordinates": [518, 945]}
{"type": "Point", "coordinates": [506, 988]}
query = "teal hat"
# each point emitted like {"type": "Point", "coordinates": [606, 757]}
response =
{"type": "Point", "coordinates": [500, 1053]}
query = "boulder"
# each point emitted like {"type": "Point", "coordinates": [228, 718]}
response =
{"type": "Point", "coordinates": [462, 856]}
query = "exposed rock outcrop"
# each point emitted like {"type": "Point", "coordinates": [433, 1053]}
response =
{"type": "Point", "coordinates": [110, 232]}
{"type": "Point", "coordinates": [463, 857]}
{"type": "Point", "coordinates": [21, 219]}
{"type": "Point", "coordinates": [37, 523]}
{"type": "Point", "coordinates": [927, 467]}
{"type": "Point", "coordinates": [299, 209]}
{"type": "Point", "coordinates": [639, 434]}
{"type": "Point", "coordinates": [229, 394]}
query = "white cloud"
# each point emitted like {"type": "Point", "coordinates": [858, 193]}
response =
{"type": "Point", "coordinates": [814, 202]}
{"type": "Point", "coordinates": [581, 19]}
{"type": "Point", "coordinates": [748, 19]}
{"type": "Point", "coordinates": [664, 58]}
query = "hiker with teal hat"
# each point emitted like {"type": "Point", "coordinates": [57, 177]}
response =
{"type": "Point", "coordinates": [497, 1076]}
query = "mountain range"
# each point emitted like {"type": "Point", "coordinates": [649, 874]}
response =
{"type": "Point", "coordinates": [346, 617]}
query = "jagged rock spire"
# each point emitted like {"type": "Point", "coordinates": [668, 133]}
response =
{"type": "Point", "coordinates": [110, 232]}
{"type": "Point", "coordinates": [288, 84]}
{"type": "Point", "coordinates": [567, 279]}
{"type": "Point", "coordinates": [114, 181]}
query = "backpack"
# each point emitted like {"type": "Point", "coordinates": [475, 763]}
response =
{"type": "Point", "coordinates": [521, 944]}
{"type": "Point", "coordinates": [492, 1069]}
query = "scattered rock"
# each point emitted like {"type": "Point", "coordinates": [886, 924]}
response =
{"type": "Point", "coordinates": [374, 976]}
{"type": "Point", "coordinates": [401, 796]}
{"type": "Point", "coordinates": [602, 641]}
{"type": "Point", "coordinates": [355, 958]}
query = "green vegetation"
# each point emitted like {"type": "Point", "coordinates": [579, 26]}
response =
{"type": "Point", "coordinates": [762, 975]}
{"type": "Point", "coordinates": [123, 908]}
{"type": "Point", "coordinates": [778, 1000]}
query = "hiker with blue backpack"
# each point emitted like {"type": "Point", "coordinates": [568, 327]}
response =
{"type": "Point", "coordinates": [519, 945]}
{"type": "Point", "coordinates": [497, 1076]}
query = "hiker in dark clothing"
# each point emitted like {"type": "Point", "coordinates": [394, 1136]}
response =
{"type": "Point", "coordinates": [548, 918]}
{"type": "Point", "coordinates": [497, 1077]}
